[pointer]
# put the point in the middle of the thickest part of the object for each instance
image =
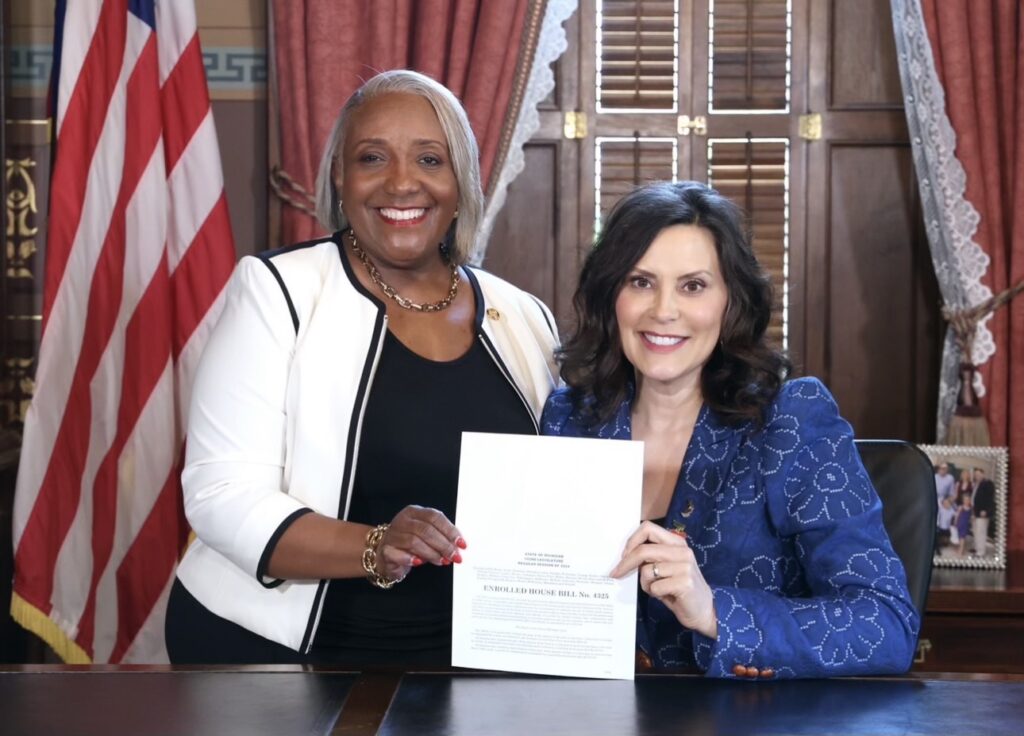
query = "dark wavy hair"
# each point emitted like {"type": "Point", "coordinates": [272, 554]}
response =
{"type": "Point", "coordinates": [742, 375]}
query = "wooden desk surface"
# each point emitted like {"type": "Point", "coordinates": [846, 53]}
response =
{"type": "Point", "coordinates": [659, 705]}
{"type": "Point", "coordinates": [39, 700]}
{"type": "Point", "coordinates": [293, 700]}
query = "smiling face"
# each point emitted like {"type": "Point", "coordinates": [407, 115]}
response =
{"type": "Point", "coordinates": [671, 307]}
{"type": "Point", "coordinates": [398, 188]}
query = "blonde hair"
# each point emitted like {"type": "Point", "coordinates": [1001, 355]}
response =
{"type": "Point", "coordinates": [462, 148]}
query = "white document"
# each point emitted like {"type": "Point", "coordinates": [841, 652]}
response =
{"type": "Point", "coordinates": [545, 520]}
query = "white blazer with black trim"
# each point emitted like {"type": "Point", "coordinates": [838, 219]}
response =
{"type": "Point", "coordinates": [276, 412]}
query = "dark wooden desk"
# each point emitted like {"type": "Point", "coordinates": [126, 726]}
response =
{"type": "Point", "coordinates": [660, 705]}
{"type": "Point", "coordinates": [152, 701]}
{"type": "Point", "coordinates": [286, 701]}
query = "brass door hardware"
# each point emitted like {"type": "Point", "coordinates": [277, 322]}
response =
{"type": "Point", "coordinates": [810, 127]}
{"type": "Point", "coordinates": [575, 126]}
{"type": "Point", "coordinates": [698, 124]}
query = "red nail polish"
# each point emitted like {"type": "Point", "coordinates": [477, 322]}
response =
{"type": "Point", "coordinates": [416, 562]}
{"type": "Point", "coordinates": [445, 561]}
{"type": "Point", "coordinates": [456, 557]}
{"type": "Point", "coordinates": [460, 543]}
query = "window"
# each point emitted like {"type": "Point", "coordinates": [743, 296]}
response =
{"type": "Point", "coordinates": [718, 120]}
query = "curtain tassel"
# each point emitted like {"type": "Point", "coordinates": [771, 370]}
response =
{"type": "Point", "coordinates": [291, 192]}
{"type": "Point", "coordinates": [968, 427]}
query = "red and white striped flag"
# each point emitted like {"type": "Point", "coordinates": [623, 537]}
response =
{"type": "Point", "coordinates": [138, 252]}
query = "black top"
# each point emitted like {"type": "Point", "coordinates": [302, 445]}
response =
{"type": "Point", "coordinates": [409, 449]}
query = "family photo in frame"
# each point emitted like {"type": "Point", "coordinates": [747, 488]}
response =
{"type": "Point", "coordinates": [970, 491]}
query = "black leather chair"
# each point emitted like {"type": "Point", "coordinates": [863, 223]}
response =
{"type": "Point", "coordinates": [905, 481]}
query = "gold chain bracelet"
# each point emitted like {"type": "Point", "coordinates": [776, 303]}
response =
{"type": "Point", "coordinates": [373, 538]}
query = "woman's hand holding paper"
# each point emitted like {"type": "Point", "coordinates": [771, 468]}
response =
{"type": "Point", "coordinates": [417, 535]}
{"type": "Point", "coordinates": [668, 571]}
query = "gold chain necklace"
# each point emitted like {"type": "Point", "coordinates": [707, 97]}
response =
{"type": "Point", "coordinates": [389, 290]}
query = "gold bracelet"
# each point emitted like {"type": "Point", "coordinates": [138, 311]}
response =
{"type": "Point", "coordinates": [373, 538]}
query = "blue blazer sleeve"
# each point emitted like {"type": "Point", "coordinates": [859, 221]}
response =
{"type": "Point", "coordinates": [858, 617]}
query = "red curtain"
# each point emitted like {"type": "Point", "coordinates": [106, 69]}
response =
{"type": "Point", "coordinates": [324, 50]}
{"type": "Point", "coordinates": [977, 48]}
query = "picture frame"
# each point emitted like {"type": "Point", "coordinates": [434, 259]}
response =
{"type": "Point", "coordinates": [976, 505]}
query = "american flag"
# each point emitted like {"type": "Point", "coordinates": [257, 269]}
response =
{"type": "Point", "coordinates": [139, 249]}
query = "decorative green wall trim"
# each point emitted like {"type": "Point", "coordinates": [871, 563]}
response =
{"type": "Point", "coordinates": [227, 68]}
{"type": "Point", "coordinates": [30, 65]}
{"type": "Point", "coordinates": [235, 68]}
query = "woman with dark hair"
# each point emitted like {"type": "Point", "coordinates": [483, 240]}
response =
{"type": "Point", "coordinates": [761, 552]}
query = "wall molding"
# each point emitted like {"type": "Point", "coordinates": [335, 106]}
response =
{"type": "Point", "coordinates": [231, 71]}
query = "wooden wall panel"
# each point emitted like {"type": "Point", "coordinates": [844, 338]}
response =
{"type": "Point", "coordinates": [876, 284]}
{"type": "Point", "coordinates": [242, 135]}
{"type": "Point", "coordinates": [863, 64]}
{"type": "Point", "coordinates": [929, 333]}
{"type": "Point", "coordinates": [871, 325]}
{"type": "Point", "coordinates": [535, 242]}
{"type": "Point", "coordinates": [235, 16]}
{"type": "Point", "coordinates": [525, 235]}
{"type": "Point", "coordinates": [234, 38]}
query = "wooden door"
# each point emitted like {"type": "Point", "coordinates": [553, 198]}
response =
{"type": "Point", "coordinates": [725, 91]}
{"type": "Point", "coordinates": [535, 242]}
{"type": "Point", "coordinates": [871, 321]}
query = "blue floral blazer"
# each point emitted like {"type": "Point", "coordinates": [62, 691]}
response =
{"type": "Point", "coordinates": [787, 530]}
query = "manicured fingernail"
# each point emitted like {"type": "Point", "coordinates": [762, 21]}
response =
{"type": "Point", "coordinates": [456, 557]}
{"type": "Point", "coordinates": [460, 543]}
{"type": "Point", "coordinates": [445, 561]}
{"type": "Point", "coordinates": [416, 562]}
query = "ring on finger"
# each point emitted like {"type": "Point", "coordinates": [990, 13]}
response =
{"type": "Point", "coordinates": [654, 571]}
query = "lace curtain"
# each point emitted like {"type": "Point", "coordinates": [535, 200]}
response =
{"type": "Point", "coordinates": [950, 220]}
{"type": "Point", "coordinates": [551, 44]}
